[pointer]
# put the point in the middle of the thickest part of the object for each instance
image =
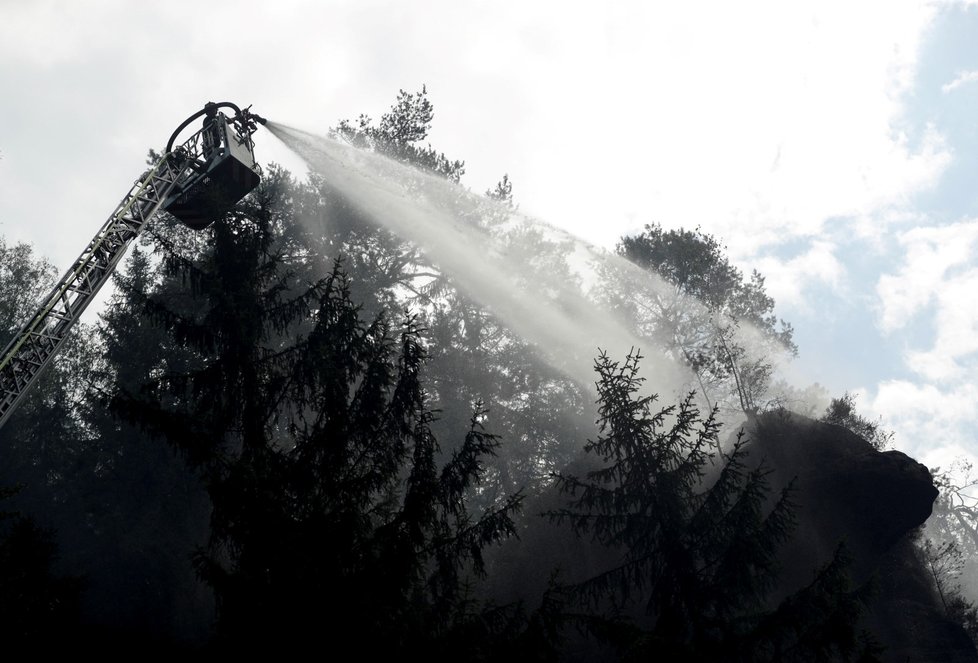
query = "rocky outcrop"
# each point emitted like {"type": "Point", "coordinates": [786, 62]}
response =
{"type": "Point", "coordinates": [843, 490]}
{"type": "Point", "coordinates": [846, 491]}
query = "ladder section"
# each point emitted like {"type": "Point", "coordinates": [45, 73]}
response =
{"type": "Point", "coordinates": [40, 338]}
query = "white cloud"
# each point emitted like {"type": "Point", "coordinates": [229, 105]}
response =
{"type": "Point", "coordinates": [927, 418]}
{"type": "Point", "coordinates": [757, 121]}
{"type": "Point", "coordinates": [787, 280]}
{"type": "Point", "coordinates": [938, 414]}
{"type": "Point", "coordinates": [956, 324]}
{"type": "Point", "coordinates": [955, 459]}
{"type": "Point", "coordinates": [824, 104]}
{"type": "Point", "coordinates": [904, 401]}
{"type": "Point", "coordinates": [48, 33]}
{"type": "Point", "coordinates": [962, 78]}
{"type": "Point", "coordinates": [875, 230]}
{"type": "Point", "coordinates": [930, 254]}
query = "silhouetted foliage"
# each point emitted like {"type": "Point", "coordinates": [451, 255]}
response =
{"type": "Point", "coordinates": [24, 279]}
{"type": "Point", "coordinates": [330, 464]}
{"type": "Point", "coordinates": [949, 547]}
{"type": "Point", "coordinates": [842, 412]}
{"type": "Point", "coordinates": [474, 356]}
{"type": "Point", "coordinates": [698, 553]}
{"type": "Point", "coordinates": [955, 511]}
{"type": "Point", "coordinates": [699, 320]}
{"type": "Point", "coordinates": [818, 623]}
{"type": "Point", "coordinates": [38, 442]}
{"type": "Point", "coordinates": [45, 451]}
{"type": "Point", "coordinates": [37, 607]}
{"type": "Point", "coordinates": [334, 512]}
{"type": "Point", "coordinates": [148, 511]}
{"type": "Point", "coordinates": [399, 132]}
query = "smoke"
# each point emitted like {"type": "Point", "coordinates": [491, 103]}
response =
{"type": "Point", "coordinates": [475, 241]}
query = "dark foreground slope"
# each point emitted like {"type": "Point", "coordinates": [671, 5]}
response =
{"type": "Point", "coordinates": [843, 492]}
{"type": "Point", "coordinates": [846, 491]}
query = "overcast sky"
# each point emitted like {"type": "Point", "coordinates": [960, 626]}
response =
{"type": "Point", "coordinates": [832, 146]}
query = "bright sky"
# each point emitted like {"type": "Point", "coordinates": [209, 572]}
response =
{"type": "Point", "coordinates": [833, 146]}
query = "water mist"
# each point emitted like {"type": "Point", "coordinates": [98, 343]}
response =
{"type": "Point", "coordinates": [559, 316]}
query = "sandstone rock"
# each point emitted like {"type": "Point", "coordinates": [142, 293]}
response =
{"type": "Point", "coordinates": [846, 491]}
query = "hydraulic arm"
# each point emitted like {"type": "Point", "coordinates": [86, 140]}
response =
{"type": "Point", "coordinates": [197, 182]}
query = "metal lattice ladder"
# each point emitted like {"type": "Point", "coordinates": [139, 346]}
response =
{"type": "Point", "coordinates": [32, 349]}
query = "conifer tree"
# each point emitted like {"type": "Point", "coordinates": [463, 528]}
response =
{"type": "Point", "coordinates": [336, 517]}
{"type": "Point", "coordinates": [147, 510]}
{"type": "Point", "coordinates": [37, 607]}
{"type": "Point", "coordinates": [474, 355]}
{"type": "Point", "coordinates": [698, 555]}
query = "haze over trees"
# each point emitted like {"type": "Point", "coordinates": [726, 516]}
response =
{"type": "Point", "coordinates": [293, 423]}
{"type": "Point", "coordinates": [698, 319]}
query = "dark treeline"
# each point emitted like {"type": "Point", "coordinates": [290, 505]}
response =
{"type": "Point", "coordinates": [291, 431]}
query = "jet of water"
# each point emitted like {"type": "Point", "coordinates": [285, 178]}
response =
{"type": "Point", "coordinates": [553, 313]}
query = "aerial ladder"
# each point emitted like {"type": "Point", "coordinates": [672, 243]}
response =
{"type": "Point", "coordinates": [197, 182]}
